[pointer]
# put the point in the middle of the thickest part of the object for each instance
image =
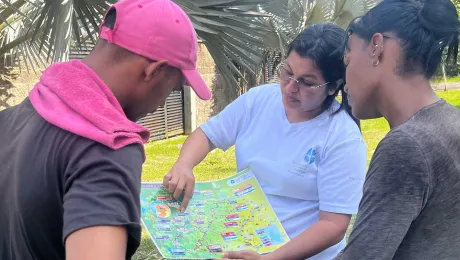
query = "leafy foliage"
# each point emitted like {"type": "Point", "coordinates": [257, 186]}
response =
{"type": "Point", "coordinates": [290, 17]}
{"type": "Point", "coordinates": [237, 33]}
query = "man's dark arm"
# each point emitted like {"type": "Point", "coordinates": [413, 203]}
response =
{"type": "Point", "coordinates": [101, 203]}
{"type": "Point", "coordinates": [395, 191]}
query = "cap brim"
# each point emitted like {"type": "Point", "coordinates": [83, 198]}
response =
{"type": "Point", "coordinates": [197, 83]}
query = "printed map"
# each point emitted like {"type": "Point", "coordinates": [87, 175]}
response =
{"type": "Point", "coordinates": [228, 214]}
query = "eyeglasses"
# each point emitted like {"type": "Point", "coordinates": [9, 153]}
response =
{"type": "Point", "coordinates": [286, 77]}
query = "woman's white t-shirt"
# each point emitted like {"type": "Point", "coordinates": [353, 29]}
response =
{"type": "Point", "coordinates": [303, 167]}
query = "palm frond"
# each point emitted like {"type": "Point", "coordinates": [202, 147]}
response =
{"type": "Point", "coordinates": [51, 27]}
{"type": "Point", "coordinates": [290, 17]}
{"type": "Point", "coordinates": [234, 32]}
{"type": "Point", "coordinates": [237, 33]}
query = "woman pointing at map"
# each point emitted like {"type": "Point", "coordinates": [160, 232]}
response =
{"type": "Point", "coordinates": [305, 149]}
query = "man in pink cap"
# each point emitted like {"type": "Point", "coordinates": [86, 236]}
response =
{"type": "Point", "coordinates": [72, 154]}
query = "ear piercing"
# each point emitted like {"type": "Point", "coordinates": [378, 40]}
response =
{"type": "Point", "coordinates": [372, 61]}
{"type": "Point", "coordinates": [373, 55]}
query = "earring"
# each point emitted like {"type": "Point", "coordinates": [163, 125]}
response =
{"type": "Point", "coordinates": [372, 60]}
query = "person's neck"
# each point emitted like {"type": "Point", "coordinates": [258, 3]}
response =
{"type": "Point", "coordinates": [302, 116]}
{"type": "Point", "coordinates": [107, 76]}
{"type": "Point", "coordinates": [401, 98]}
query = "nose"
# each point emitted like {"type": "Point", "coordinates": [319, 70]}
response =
{"type": "Point", "coordinates": [291, 86]}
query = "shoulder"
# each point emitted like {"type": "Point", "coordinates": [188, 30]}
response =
{"type": "Point", "coordinates": [85, 152]}
{"type": "Point", "coordinates": [77, 153]}
{"type": "Point", "coordinates": [399, 170]}
{"type": "Point", "coordinates": [64, 149]}
{"type": "Point", "coordinates": [263, 93]}
{"type": "Point", "coordinates": [342, 128]}
{"type": "Point", "coordinates": [396, 145]}
{"type": "Point", "coordinates": [399, 157]}
{"type": "Point", "coordinates": [265, 89]}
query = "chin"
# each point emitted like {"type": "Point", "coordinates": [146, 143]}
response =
{"type": "Point", "coordinates": [290, 105]}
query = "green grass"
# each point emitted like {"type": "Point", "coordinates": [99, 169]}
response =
{"type": "Point", "coordinates": [161, 156]}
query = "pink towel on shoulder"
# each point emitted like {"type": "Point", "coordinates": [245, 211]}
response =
{"type": "Point", "coordinates": [73, 97]}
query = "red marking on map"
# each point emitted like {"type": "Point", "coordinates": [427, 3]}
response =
{"type": "Point", "coordinates": [231, 224]}
{"type": "Point", "coordinates": [240, 207]}
{"type": "Point", "coordinates": [232, 217]}
{"type": "Point", "coordinates": [246, 189]}
{"type": "Point", "coordinates": [162, 198]}
{"type": "Point", "coordinates": [228, 236]}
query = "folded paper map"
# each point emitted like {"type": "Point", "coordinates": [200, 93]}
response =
{"type": "Point", "coordinates": [227, 214]}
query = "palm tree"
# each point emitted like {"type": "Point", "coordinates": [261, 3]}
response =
{"type": "Point", "coordinates": [39, 31]}
{"type": "Point", "coordinates": [239, 34]}
{"type": "Point", "coordinates": [289, 18]}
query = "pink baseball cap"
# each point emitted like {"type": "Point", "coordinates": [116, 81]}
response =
{"type": "Point", "coordinates": [158, 30]}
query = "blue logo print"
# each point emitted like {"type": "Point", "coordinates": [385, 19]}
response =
{"type": "Point", "coordinates": [310, 156]}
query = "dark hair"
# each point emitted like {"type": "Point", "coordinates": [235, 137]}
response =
{"type": "Point", "coordinates": [322, 43]}
{"type": "Point", "coordinates": [119, 53]}
{"type": "Point", "coordinates": [110, 18]}
{"type": "Point", "coordinates": [424, 28]}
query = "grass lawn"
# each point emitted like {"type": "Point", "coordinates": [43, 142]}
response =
{"type": "Point", "coordinates": [162, 154]}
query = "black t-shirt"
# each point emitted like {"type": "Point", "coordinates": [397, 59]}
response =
{"type": "Point", "coordinates": [53, 182]}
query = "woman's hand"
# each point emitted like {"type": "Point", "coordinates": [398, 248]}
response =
{"type": "Point", "coordinates": [180, 180]}
{"type": "Point", "coordinates": [244, 255]}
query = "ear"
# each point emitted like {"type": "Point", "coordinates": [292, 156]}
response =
{"type": "Point", "coordinates": [376, 45]}
{"type": "Point", "coordinates": [154, 68]}
{"type": "Point", "coordinates": [338, 83]}
{"type": "Point", "coordinates": [331, 91]}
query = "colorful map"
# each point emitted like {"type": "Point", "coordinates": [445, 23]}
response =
{"type": "Point", "coordinates": [228, 214]}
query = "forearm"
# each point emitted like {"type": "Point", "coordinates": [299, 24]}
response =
{"type": "Point", "coordinates": [320, 236]}
{"type": "Point", "coordinates": [195, 149]}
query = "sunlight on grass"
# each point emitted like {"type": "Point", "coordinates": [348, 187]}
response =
{"type": "Point", "coordinates": [161, 156]}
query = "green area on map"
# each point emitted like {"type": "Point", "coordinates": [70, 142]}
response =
{"type": "Point", "coordinates": [228, 214]}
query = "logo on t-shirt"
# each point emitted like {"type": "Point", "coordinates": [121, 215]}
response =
{"type": "Point", "coordinates": [310, 156]}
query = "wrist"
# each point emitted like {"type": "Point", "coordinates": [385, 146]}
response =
{"type": "Point", "coordinates": [184, 164]}
{"type": "Point", "coordinates": [269, 256]}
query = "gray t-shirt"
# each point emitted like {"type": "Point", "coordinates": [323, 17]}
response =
{"type": "Point", "coordinates": [411, 203]}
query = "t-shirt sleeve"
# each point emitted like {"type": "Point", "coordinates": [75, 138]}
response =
{"type": "Point", "coordinates": [341, 175]}
{"type": "Point", "coordinates": [102, 188]}
{"type": "Point", "coordinates": [395, 191]}
{"type": "Point", "coordinates": [223, 129]}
